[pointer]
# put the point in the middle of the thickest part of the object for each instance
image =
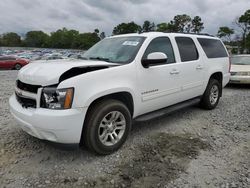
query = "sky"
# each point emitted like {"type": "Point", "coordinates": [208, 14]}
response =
{"type": "Point", "coordinates": [85, 15]}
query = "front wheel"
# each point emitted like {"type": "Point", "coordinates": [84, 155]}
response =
{"type": "Point", "coordinates": [107, 126]}
{"type": "Point", "coordinates": [211, 96]}
{"type": "Point", "coordinates": [18, 66]}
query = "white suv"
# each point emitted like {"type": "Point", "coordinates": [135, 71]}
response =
{"type": "Point", "coordinates": [134, 76]}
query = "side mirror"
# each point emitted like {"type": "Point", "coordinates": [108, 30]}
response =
{"type": "Point", "coordinates": [155, 58]}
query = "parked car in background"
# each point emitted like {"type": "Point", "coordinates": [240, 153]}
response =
{"type": "Point", "coordinates": [12, 62]}
{"type": "Point", "coordinates": [240, 69]}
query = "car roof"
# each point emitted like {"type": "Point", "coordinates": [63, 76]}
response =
{"type": "Point", "coordinates": [159, 34]}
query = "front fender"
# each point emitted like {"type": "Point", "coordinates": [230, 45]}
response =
{"type": "Point", "coordinates": [93, 85]}
{"type": "Point", "coordinates": [108, 92]}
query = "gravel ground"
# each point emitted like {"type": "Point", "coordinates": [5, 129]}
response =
{"type": "Point", "coordinates": [189, 148]}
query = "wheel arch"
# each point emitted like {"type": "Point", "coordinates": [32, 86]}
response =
{"type": "Point", "coordinates": [124, 96]}
{"type": "Point", "coordinates": [218, 76]}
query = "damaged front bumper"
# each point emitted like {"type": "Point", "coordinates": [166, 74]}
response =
{"type": "Point", "coordinates": [60, 126]}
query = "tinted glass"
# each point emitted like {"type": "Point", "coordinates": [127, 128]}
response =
{"type": "Point", "coordinates": [161, 44]}
{"type": "Point", "coordinates": [4, 58]}
{"type": "Point", "coordinates": [213, 48]}
{"type": "Point", "coordinates": [118, 49]}
{"type": "Point", "coordinates": [11, 58]}
{"type": "Point", "coordinates": [240, 60]}
{"type": "Point", "coordinates": [187, 49]}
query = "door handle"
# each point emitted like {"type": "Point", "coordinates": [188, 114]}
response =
{"type": "Point", "coordinates": [174, 71]}
{"type": "Point", "coordinates": [199, 67]}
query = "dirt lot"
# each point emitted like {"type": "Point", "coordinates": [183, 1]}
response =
{"type": "Point", "coordinates": [189, 148]}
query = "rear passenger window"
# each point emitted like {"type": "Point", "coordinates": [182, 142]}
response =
{"type": "Point", "coordinates": [213, 48]}
{"type": "Point", "coordinates": [161, 44]}
{"type": "Point", "coordinates": [3, 58]}
{"type": "Point", "coordinates": [187, 49]}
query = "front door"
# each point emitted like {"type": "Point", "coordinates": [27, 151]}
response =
{"type": "Point", "coordinates": [159, 85]}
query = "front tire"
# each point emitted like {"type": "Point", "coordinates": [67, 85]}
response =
{"type": "Point", "coordinates": [211, 96]}
{"type": "Point", "coordinates": [107, 126]}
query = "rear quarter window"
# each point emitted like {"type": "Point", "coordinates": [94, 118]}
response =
{"type": "Point", "coordinates": [3, 58]}
{"type": "Point", "coordinates": [213, 48]}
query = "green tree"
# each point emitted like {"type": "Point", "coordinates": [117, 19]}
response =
{"type": "Point", "coordinates": [162, 27]}
{"type": "Point", "coordinates": [102, 35]}
{"type": "Point", "coordinates": [57, 38]}
{"type": "Point", "coordinates": [96, 31]}
{"type": "Point", "coordinates": [36, 39]}
{"type": "Point", "coordinates": [181, 23]}
{"type": "Point", "coordinates": [124, 28]}
{"type": "Point", "coordinates": [248, 43]}
{"type": "Point", "coordinates": [11, 39]}
{"type": "Point", "coordinates": [197, 24]}
{"type": "Point", "coordinates": [225, 32]}
{"type": "Point", "coordinates": [148, 26]}
{"type": "Point", "coordinates": [69, 38]}
{"type": "Point", "coordinates": [63, 38]}
{"type": "Point", "coordinates": [243, 22]}
{"type": "Point", "coordinates": [87, 40]}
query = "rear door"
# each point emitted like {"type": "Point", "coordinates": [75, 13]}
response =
{"type": "Point", "coordinates": [2, 62]}
{"type": "Point", "coordinates": [191, 67]}
{"type": "Point", "coordinates": [5, 63]}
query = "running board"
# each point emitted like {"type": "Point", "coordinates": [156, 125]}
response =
{"type": "Point", "coordinates": [168, 110]}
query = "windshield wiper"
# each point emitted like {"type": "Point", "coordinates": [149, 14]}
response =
{"type": "Point", "coordinates": [101, 59]}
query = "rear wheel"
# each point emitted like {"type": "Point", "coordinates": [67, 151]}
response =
{"type": "Point", "coordinates": [18, 66]}
{"type": "Point", "coordinates": [212, 95]}
{"type": "Point", "coordinates": [107, 126]}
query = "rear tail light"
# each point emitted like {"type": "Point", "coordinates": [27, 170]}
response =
{"type": "Point", "coordinates": [229, 67]}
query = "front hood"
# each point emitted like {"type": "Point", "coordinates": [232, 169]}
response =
{"type": "Point", "coordinates": [49, 72]}
{"type": "Point", "coordinates": [240, 68]}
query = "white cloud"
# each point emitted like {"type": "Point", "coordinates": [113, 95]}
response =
{"type": "Point", "coordinates": [86, 15]}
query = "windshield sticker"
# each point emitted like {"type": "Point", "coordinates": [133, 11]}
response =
{"type": "Point", "coordinates": [130, 43]}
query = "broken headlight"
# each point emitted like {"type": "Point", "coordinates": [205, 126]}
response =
{"type": "Point", "coordinates": [53, 98]}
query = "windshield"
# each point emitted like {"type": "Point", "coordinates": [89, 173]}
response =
{"type": "Point", "coordinates": [241, 60]}
{"type": "Point", "coordinates": [118, 49]}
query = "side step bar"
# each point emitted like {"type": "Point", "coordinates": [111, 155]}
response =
{"type": "Point", "coordinates": [168, 110]}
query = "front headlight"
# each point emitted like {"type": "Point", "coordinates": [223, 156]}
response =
{"type": "Point", "coordinates": [53, 98]}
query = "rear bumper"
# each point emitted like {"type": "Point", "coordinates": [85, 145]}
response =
{"type": "Point", "coordinates": [240, 79]}
{"type": "Point", "coordinates": [60, 126]}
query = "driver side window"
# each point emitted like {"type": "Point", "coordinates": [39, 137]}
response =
{"type": "Point", "coordinates": [161, 44]}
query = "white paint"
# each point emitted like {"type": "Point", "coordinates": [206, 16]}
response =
{"type": "Point", "coordinates": [151, 88]}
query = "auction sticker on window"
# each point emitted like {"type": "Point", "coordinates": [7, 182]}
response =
{"type": "Point", "coordinates": [130, 43]}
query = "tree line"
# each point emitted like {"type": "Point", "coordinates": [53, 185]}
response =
{"type": "Point", "coordinates": [239, 35]}
{"type": "Point", "coordinates": [180, 23]}
{"type": "Point", "coordinates": [64, 38]}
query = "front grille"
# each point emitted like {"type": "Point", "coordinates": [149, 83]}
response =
{"type": "Point", "coordinates": [27, 87]}
{"type": "Point", "coordinates": [26, 102]}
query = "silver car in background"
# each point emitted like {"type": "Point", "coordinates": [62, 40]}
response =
{"type": "Point", "coordinates": [240, 69]}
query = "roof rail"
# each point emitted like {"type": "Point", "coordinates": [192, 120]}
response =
{"type": "Point", "coordinates": [205, 34]}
